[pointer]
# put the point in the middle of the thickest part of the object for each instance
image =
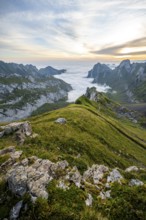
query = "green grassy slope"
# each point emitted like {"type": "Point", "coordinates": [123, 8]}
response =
{"type": "Point", "coordinates": [91, 135]}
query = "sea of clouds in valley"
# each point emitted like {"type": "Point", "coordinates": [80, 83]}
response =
{"type": "Point", "coordinates": [76, 76]}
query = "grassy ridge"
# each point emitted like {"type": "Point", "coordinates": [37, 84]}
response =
{"type": "Point", "coordinates": [91, 132]}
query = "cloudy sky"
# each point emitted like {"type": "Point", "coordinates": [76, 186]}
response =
{"type": "Point", "coordinates": [38, 30]}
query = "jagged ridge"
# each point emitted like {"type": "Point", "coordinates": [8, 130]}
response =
{"type": "Point", "coordinates": [128, 80]}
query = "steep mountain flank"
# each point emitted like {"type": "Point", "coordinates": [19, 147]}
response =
{"type": "Point", "coordinates": [127, 81]}
{"type": "Point", "coordinates": [24, 88]}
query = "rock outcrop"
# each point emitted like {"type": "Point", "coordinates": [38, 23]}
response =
{"type": "Point", "coordinates": [32, 175]}
{"type": "Point", "coordinates": [20, 129]}
{"type": "Point", "coordinates": [95, 174]}
{"type": "Point", "coordinates": [120, 111]}
{"type": "Point", "coordinates": [33, 178]}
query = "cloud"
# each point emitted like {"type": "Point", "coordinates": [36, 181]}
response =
{"type": "Point", "coordinates": [78, 80]}
{"type": "Point", "coordinates": [137, 45]}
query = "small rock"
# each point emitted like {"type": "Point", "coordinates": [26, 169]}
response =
{"type": "Point", "coordinates": [114, 176]}
{"type": "Point", "coordinates": [62, 164]}
{"type": "Point", "coordinates": [107, 185]}
{"type": "Point", "coordinates": [105, 195]}
{"type": "Point", "coordinates": [96, 173]}
{"type": "Point", "coordinates": [75, 176]}
{"type": "Point", "coordinates": [7, 150]}
{"type": "Point", "coordinates": [136, 182]}
{"type": "Point", "coordinates": [2, 134]}
{"type": "Point", "coordinates": [61, 120]}
{"type": "Point", "coordinates": [14, 213]}
{"type": "Point", "coordinates": [62, 185]}
{"type": "Point", "coordinates": [131, 169]}
{"type": "Point", "coordinates": [16, 155]}
{"type": "Point", "coordinates": [20, 137]}
{"type": "Point", "coordinates": [89, 200]}
{"type": "Point", "coordinates": [24, 162]}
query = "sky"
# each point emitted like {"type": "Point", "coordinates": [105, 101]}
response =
{"type": "Point", "coordinates": [43, 30]}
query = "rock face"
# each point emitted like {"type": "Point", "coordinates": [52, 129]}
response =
{"type": "Point", "coordinates": [21, 130]}
{"type": "Point", "coordinates": [128, 80]}
{"type": "Point", "coordinates": [94, 95]}
{"type": "Point", "coordinates": [99, 72]}
{"type": "Point", "coordinates": [33, 178]}
{"type": "Point", "coordinates": [24, 88]}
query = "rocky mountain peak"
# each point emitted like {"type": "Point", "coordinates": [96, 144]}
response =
{"type": "Point", "coordinates": [126, 65]}
{"type": "Point", "coordinates": [50, 71]}
{"type": "Point", "coordinates": [99, 70]}
{"type": "Point", "coordinates": [93, 95]}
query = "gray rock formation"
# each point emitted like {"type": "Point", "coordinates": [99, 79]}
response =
{"type": "Point", "coordinates": [10, 149]}
{"type": "Point", "coordinates": [61, 121]}
{"type": "Point", "coordinates": [136, 182]}
{"type": "Point", "coordinates": [33, 178]}
{"type": "Point", "coordinates": [20, 129]}
{"type": "Point", "coordinates": [89, 200]}
{"type": "Point", "coordinates": [131, 169]}
{"type": "Point", "coordinates": [114, 176]}
{"type": "Point", "coordinates": [99, 72]}
{"type": "Point", "coordinates": [32, 175]}
{"type": "Point", "coordinates": [95, 173]}
{"type": "Point", "coordinates": [105, 195]}
{"type": "Point", "coordinates": [14, 213]}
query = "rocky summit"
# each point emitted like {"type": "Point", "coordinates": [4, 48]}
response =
{"type": "Point", "coordinates": [24, 88]}
{"type": "Point", "coordinates": [83, 161]}
{"type": "Point", "coordinates": [127, 81]}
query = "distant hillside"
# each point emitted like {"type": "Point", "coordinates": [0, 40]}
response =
{"type": "Point", "coordinates": [24, 88]}
{"type": "Point", "coordinates": [127, 81]}
{"type": "Point", "coordinates": [85, 161]}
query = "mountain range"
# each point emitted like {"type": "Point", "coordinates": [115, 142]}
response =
{"type": "Point", "coordinates": [127, 81]}
{"type": "Point", "coordinates": [24, 88]}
